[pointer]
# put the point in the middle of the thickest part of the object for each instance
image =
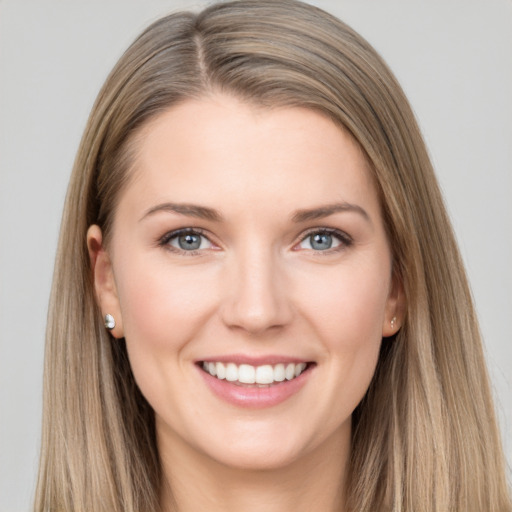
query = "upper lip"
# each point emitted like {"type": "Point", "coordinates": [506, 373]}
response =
{"type": "Point", "coordinates": [239, 359]}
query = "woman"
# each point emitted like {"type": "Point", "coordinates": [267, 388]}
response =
{"type": "Point", "coordinates": [249, 310]}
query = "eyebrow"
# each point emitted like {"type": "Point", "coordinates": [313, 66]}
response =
{"type": "Point", "coordinates": [190, 210]}
{"type": "Point", "coordinates": [330, 209]}
{"type": "Point", "coordinates": [304, 215]}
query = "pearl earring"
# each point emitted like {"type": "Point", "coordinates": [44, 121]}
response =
{"type": "Point", "coordinates": [393, 321]}
{"type": "Point", "coordinates": [110, 322]}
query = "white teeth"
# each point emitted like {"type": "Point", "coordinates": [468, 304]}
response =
{"type": "Point", "coordinates": [231, 372]}
{"type": "Point", "coordinates": [299, 368]}
{"type": "Point", "coordinates": [279, 374]}
{"type": "Point", "coordinates": [248, 374]}
{"type": "Point", "coordinates": [264, 374]}
{"type": "Point", "coordinates": [221, 371]}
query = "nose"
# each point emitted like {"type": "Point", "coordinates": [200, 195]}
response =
{"type": "Point", "coordinates": [256, 293]}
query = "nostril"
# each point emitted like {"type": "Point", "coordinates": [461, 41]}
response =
{"type": "Point", "coordinates": [257, 299]}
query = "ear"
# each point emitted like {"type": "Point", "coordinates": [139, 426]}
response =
{"type": "Point", "coordinates": [104, 283]}
{"type": "Point", "coordinates": [395, 307]}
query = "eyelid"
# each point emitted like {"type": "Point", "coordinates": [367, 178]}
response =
{"type": "Point", "coordinates": [164, 240]}
{"type": "Point", "coordinates": [345, 239]}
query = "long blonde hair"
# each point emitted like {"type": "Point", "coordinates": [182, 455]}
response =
{"type": "Point", "coordinates": [425, 436]}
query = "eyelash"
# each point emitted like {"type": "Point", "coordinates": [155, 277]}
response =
{"type": "Point", "coordinates": [164, 240]}
{"type": "Point", "coordinates": [344, 239]}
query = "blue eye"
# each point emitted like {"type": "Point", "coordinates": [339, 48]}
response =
{"type": "Point", "coordinates": [321, 241]}
{"type": "Point", "coordinates": [186, 240]}
{"type": "Point", "coordinates": [324, 240]}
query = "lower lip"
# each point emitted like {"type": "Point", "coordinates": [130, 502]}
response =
{"type": "Point", "coordinates": [256, 397]}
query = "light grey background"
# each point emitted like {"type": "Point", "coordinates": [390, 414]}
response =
{"type": "Point", "coordinates": [454, 59]}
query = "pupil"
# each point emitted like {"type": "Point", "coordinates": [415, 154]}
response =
{"type": "Point", "coordinates": [321, 241]}
{"type": "Point", "coordinates": [189, 242]}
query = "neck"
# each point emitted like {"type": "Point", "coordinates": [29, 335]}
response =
{"type": "Point", "coordinates": [315, 481]}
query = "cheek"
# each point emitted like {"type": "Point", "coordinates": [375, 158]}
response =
{"type": "Point", "coordinates": [347, 317]}
{"type": "Point", "coordinates": [162, 305]}
{"type": "Point", "coordinates": [348, 306]}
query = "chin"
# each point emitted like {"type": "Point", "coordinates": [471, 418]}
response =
{"type": "Point", "coordinates": [258, 458]}
{"type": "Point", "coordinates": [261, 447]}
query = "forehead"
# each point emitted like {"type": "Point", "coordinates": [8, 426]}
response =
{"type": "Point", "coordinates": [224, 151]}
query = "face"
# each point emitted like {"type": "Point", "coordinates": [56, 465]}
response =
{"type": "Point", "coordinates": [250, 274]}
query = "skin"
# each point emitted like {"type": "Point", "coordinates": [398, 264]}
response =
{"type": "Point", "coordinates": [255, 287]}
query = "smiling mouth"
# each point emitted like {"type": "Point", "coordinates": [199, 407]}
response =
{"type": "Point", "coordinates": [259, 376]}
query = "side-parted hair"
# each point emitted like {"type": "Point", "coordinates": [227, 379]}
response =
{"type": "Point", "coordinates": [424, 437]}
